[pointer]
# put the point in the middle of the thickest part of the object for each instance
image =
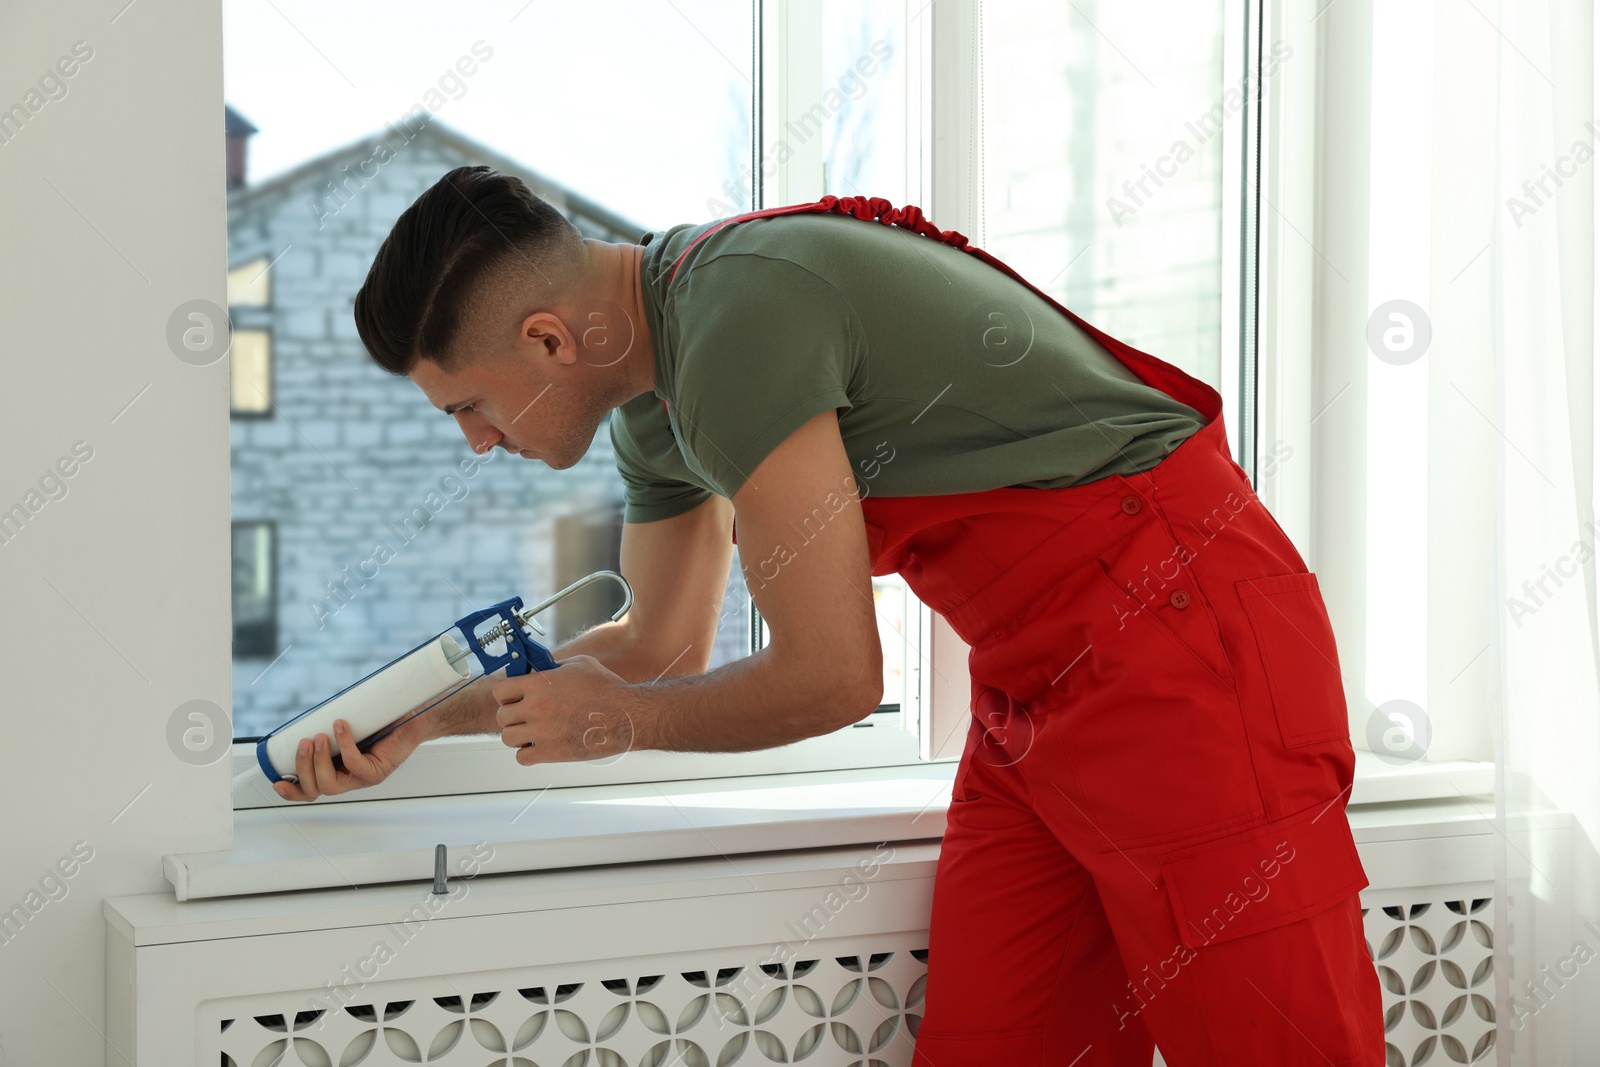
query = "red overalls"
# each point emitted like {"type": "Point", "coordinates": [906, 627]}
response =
{"type": "Point", "coordinates": [1147, 840]}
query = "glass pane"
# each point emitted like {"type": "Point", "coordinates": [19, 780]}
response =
{"type": "Point", "coordinates": [1396, 654]}
{"type": "Point", "coordinates": [890, 599]}
{"type": "Point", "coordinates": [249, 356]}
{"type": "Point", "coordinates": [1102, 166]}
{"type": "Point", "coordinates": [865, 137]}
{"type": "Point", "coordinates": [629, 117]}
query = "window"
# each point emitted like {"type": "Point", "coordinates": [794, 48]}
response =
{"type": "Point", "coordinates": [250, 351]}
{"type": "Point", "coordinates": [249, 285]}
{"type": "Point", "coordinates": [1113, 192]}
{"type": "Point", "coordinates": [392, 538]}
{"type": "Point", "coordinates": [255, 607]}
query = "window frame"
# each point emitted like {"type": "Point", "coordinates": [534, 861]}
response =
{"type": "Point", "coordinates": [928, 722]}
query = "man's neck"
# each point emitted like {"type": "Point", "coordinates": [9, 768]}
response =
{"type": "Point", "coordinates": [617, 269]}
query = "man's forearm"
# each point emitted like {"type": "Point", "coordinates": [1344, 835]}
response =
{"type": "Point", "coordinates": [616, 646]}
{"type": "Point", "coordinates": [752, 703]}
{"type": "Point", "coordinates": [471, 710]}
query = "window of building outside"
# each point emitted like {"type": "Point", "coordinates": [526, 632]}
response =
{"type": "Point", "coordinates": [386, 527]}
{"type": "Point", "coordinates": [255, 608]}
{"type": "Point", "coordinates": [250, 338]}
{"type": "Point", "coordinates": [250, 367]}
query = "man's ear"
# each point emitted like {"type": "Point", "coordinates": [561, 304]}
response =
{"type": "Point", "coordinates": [544, 335]}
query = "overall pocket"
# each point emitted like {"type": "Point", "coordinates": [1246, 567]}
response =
{"type": "Point", "coordinates": [1154, 592]}
{"type": "Point", "coordinates": [1298, 656]}
{"type": "Point", "coordinates": [1262, 878]}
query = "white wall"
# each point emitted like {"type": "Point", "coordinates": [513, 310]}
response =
{"type": "Point", "coordinates": [116, 595]}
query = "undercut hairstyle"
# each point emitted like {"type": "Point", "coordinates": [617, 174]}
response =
{"type": "Point", "coordinates": [476, 244]}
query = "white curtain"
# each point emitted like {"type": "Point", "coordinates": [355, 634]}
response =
{"type": "Point", "coordinates": [1544, 651]}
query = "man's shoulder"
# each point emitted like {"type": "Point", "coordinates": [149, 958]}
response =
{"type": "Point", "coordinates": [757, 252]}
{"type": "Point", "coordinates": [639, 419]}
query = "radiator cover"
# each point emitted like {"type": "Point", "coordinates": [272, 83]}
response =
{"type": "Point", "coordinates": [717, 962]}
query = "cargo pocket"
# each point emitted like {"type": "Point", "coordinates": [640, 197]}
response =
{"type": "Point", "coordinates": [1264, 877]}
{"type": "Point", "coordinates": [1298, 656]}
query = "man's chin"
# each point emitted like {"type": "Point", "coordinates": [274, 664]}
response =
{"type": "Point", "coordinates": [526, 454]}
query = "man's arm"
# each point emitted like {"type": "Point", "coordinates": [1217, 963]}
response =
{"type": "Point", "coordinates": [678, 570]}
{"type": "Point", "coordinates": [803, 546]}
{"type": "Point", "coordinates": [802, 539]}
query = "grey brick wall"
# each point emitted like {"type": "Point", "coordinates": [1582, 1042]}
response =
{"type": "Point", "coordinates": [350, 454]}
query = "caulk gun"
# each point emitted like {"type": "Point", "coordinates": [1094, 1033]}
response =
{"type": "Point", "coordinates": [426, 675]}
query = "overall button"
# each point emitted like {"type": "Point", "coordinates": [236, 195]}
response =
{"type": "Point", "coordinates": [1179, 598]}
{"type": "Point", "coordinates": [1132, 504]}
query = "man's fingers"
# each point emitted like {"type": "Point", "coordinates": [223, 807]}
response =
{"type": "Point", "coordinates": [315, 768]}
{"type": "Point", "coordinates": [322, 759]}
{"type": "Point", "coordinates": [305, 770]}
{"type": "Point", "coordinates": [363, 766]}
{"type": "Point", "coordinates": [509, 715]}
{"type": "Point", "coordinates": [507, 690]}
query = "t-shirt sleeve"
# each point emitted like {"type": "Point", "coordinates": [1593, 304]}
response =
{"type": "Point", "coordinates": [641, 439]}
{"type": "Point", "coordinates": [765, 345]}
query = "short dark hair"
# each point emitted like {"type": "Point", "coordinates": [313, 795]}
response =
{"type": "Point", "coordinates": [470, 227]}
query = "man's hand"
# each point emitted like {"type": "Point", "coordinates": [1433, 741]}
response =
{"type": "Point", "coordinates": [578, 711]}
{"type": "Point", "coordinates": [319, 777]}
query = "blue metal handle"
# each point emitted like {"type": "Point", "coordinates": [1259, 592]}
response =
{"type": "Point", "coordinates": [522, 652]}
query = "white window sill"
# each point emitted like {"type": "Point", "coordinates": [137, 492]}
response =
{"type": "Point", "coordinates": [156, 919]}
{"type": "Point", "coordinates": [335, 846]}
{"type": "Point", "coordinates": [316, 846]}
{"type": "Point", "coordinates": [1381, 782]}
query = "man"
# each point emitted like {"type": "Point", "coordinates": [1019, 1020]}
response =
{"type": "Point", "coordinates": [1146, 841]}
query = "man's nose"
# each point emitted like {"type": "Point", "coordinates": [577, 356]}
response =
{"type": "Point", "coordinates": [480, 433]}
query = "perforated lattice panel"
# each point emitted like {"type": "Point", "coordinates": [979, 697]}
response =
{"type": "Point", "coordinates": [846, 1009]}
{"type": "Point", "coordinates": [1435, 962]}
{"type": "Point", "coordinates": [845, 1002]}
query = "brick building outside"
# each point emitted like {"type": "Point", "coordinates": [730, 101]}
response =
{"type": "Point", "coordinates": [362, 523]}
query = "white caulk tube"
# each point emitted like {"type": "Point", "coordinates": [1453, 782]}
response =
{"type": "Point", "coordinates": [368, 706]}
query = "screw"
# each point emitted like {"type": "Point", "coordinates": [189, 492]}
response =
{"type": "Point", "coordinates": [439, 888]}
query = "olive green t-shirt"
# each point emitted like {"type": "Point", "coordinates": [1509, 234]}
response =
{"type": "Point", "coordinates": [949, 376]}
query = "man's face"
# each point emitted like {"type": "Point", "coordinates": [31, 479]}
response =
{"type": "Point", "coordinates": [529, 402]}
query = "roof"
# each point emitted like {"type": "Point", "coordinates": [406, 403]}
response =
{"type": "Point", "coordinates": [563, 198]}
{"type": "Point", "coordinates": [237, 125]}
